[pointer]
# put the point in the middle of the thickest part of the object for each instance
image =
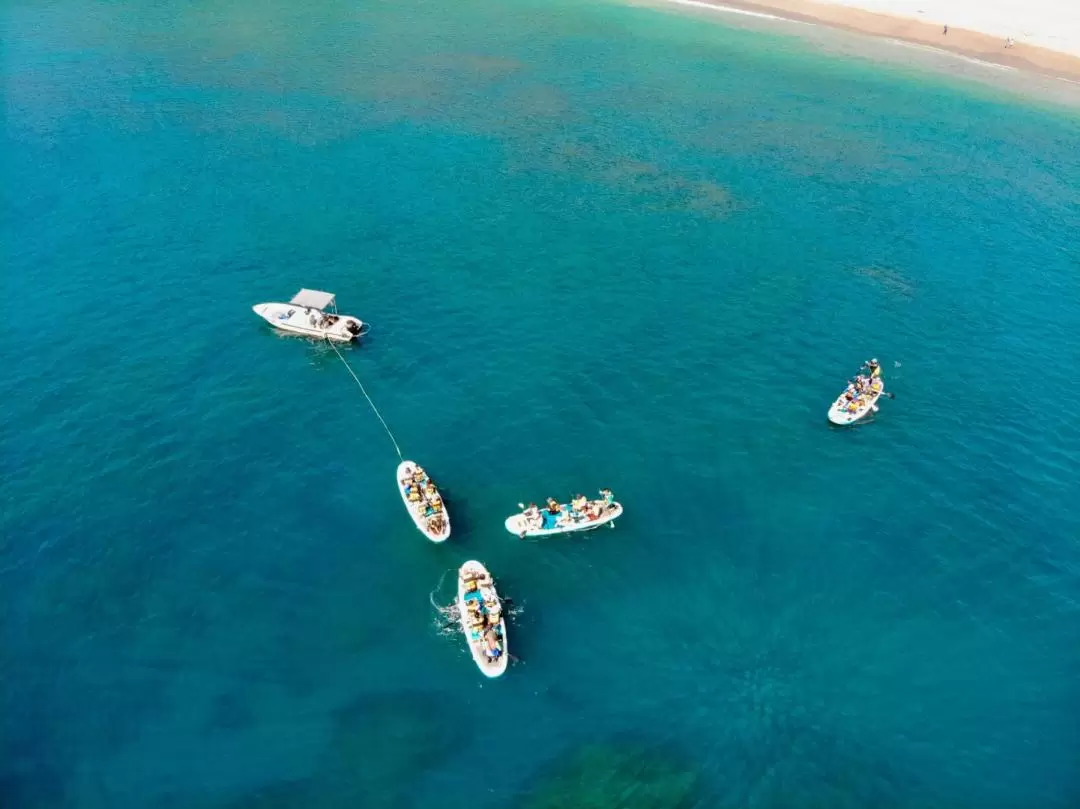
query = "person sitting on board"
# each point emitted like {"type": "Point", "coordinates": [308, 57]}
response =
{"type": "Point", "coordinates": [578, 504]}
{"type": "Point", "coordinates": [532, 514]}
{"type": "Point", "coordinates": [608, 497]}
{"type": "Point", "coordinates": [551, 514]}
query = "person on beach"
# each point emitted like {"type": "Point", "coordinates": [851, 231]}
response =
{"type": "Point", "coordinates": [945, 31]}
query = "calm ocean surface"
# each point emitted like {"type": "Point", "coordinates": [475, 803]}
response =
{"type": "Point", "coordinates": [600, 246]}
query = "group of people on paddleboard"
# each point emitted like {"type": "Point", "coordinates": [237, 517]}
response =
{"type": "Point", "coordinates": [578, 510]}
{"type": "Point", "coordinates": [424, 497]}
{"type": "Point", "coordinates": [863, 387]}
{"type": "Point", "coordinates": [484, 617]}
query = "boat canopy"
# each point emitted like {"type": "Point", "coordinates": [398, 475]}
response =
{"type": "Point", "coordinates": [313, 298]}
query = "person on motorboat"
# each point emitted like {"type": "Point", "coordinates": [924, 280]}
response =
{"type": "Point", "coordinates": [608, 498]}
{"type": "Point", "coordinates": [874, 367]}
{"type": "Point", "coordinates": [553, 506]}
{"type": "Point", "coordinates": [577, 505]}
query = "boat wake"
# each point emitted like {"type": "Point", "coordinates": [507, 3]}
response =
{"type": "Point", "coordinates": [446, 617]}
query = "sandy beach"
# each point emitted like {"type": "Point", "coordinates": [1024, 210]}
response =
{"type": "Point", "coordinates": [1045, 34]}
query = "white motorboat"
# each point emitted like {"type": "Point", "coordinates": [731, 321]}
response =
{"type": "Point", "coordinates": [313, 314]}
{"type": "Point", "coordinates": [534, 522]}
{"type": "Point", "coordinates": [482, 618]}
{"type": "Point", "coordinates": [859, 399]}
{"type": "Point", "coordinates": [423, 501]}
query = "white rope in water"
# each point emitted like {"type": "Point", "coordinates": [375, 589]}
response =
{"type": "Point", "coordinates": [393, 441]}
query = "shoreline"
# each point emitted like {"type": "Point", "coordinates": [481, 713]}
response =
{"type": "Point", "coordinates": [971, 45]}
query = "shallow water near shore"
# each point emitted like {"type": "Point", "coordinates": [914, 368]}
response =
{"type": "Point", "coordinates": [599, 246]}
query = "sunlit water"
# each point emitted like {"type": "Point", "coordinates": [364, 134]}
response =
{"type": "Point", "coordinates": [599, 246]}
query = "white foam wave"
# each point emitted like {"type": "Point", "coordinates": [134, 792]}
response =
{"type": "Point", "coordinates": [954, 55]}
{"type": "Point", "coordinates": [732, 10]}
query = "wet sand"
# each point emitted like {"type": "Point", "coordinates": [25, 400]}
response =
{"type": "Point", "coordinates": [972, 44]}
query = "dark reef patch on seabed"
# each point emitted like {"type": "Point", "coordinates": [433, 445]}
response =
{"type": "Point", "coordinates": [379, 744]}
{"type": "Point", "coordinates": [817, 772]}
{"type": "Point", "coordinates": [616, 773]}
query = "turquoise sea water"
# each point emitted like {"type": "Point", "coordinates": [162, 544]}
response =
{"type": "Point", "coordinates": [599, 246]}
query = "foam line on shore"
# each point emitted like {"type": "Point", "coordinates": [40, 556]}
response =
{"type": "Point", "coordinates": [954, 55]}
{"type": "Point", "coordinates": [732, 10]}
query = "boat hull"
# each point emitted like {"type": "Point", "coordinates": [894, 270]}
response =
{"type": "Point", "coordinates": [518, 526]}
{"type": "Point", "coordinates": [476, 647]}
{"type": "Point", "coordinates": [419, 520]}
{"type": "Point", "coordinates": [293, 319]}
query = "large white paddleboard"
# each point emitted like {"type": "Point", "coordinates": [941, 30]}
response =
{"type": "Point", "coordinates": [416, 510]}
{"type": "Point", "coordinates": [519, 525]}
{"type": "Point", "coordinates": [844, 412]}
{"type": "Point", "coordinates": [489, 600]}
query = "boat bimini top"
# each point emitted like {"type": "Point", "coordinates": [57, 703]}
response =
{"type": "Point", "coordinates": [314, 299]}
